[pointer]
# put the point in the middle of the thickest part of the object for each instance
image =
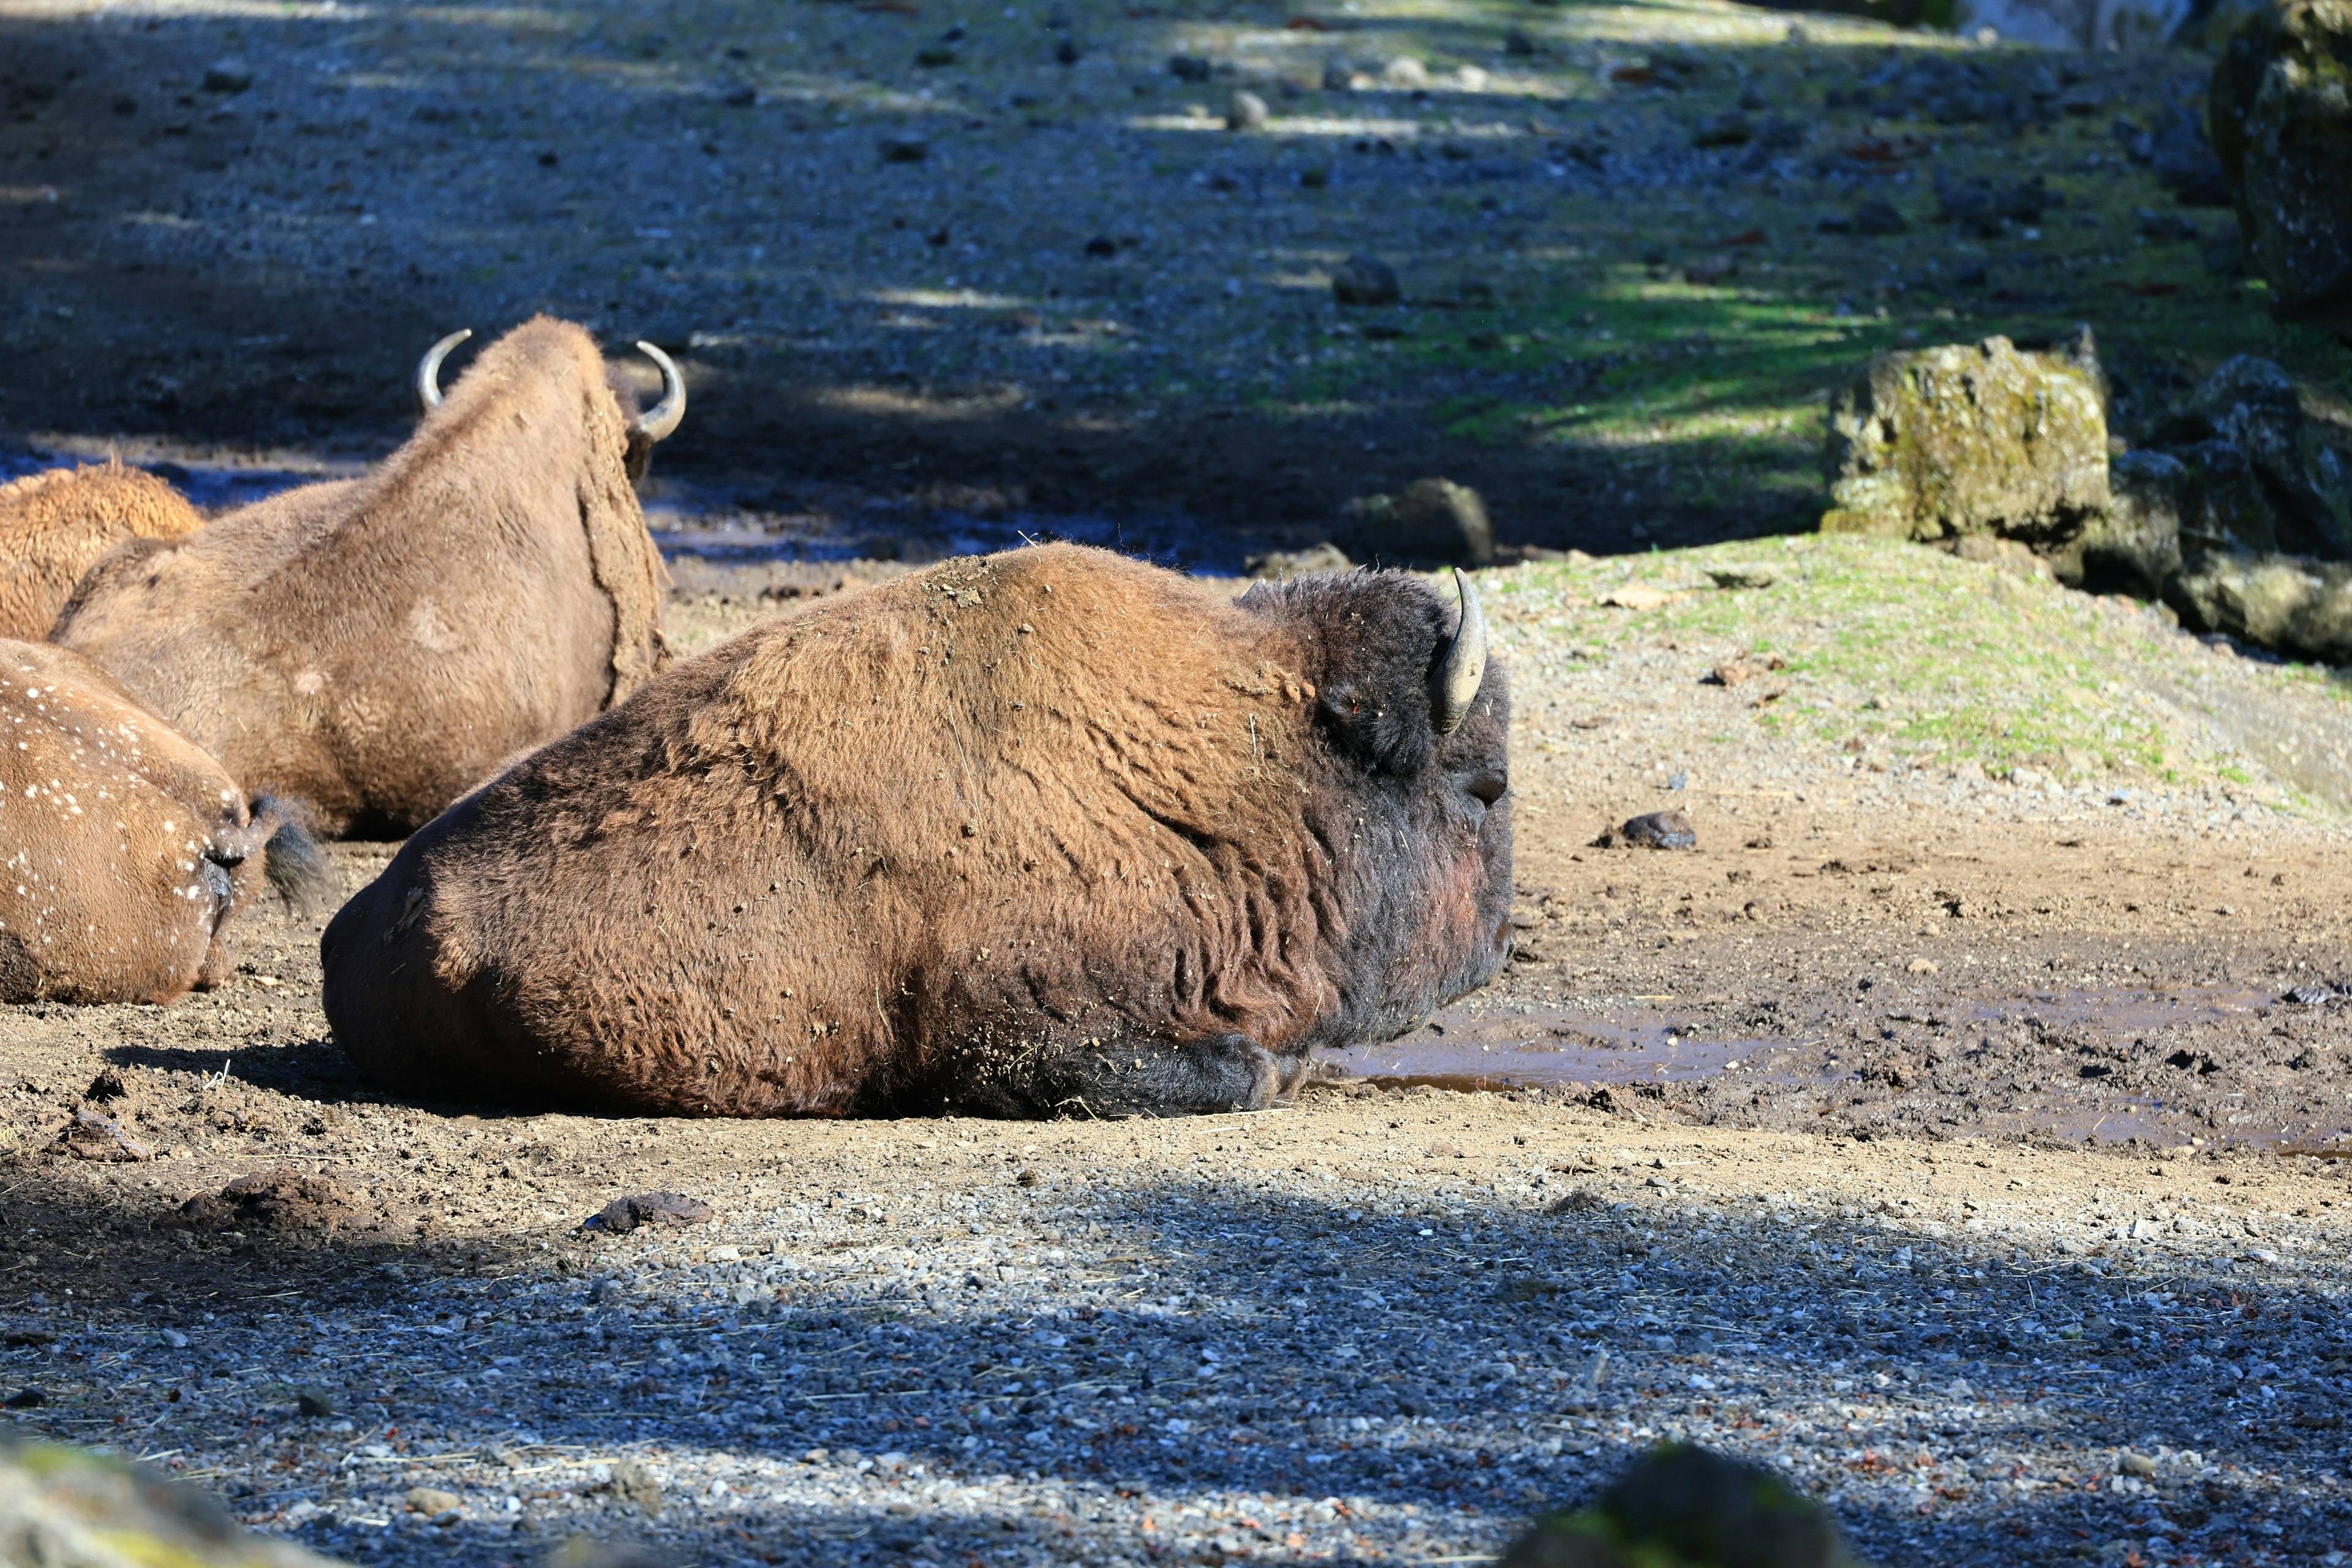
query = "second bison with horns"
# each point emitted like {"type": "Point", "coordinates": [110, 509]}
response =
{"type": "Point", "coordinates": [1031, 833]}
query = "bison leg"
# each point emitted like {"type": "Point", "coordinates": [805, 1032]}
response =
{"type": "Point", "coordinates": [1158, 1078]}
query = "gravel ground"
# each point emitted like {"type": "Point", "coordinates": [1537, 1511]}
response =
{"type": "Point", "coordinates": [1377, 1326]}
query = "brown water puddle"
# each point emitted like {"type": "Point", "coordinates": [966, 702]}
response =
{"type": "Point", "coordinates": [1476, 1048]}
{"type": "Point", "coordinates": [1464, 1050]}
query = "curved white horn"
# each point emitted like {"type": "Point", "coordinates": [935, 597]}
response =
{"type": "Point", "coordinates": [657, 423]}
{"type": "Point", "coordinates": [429, 370]}
{"type": "Point", "coordinates": [1465, 664]}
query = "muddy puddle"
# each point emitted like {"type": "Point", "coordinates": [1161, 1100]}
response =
{"type": "Point", "coordinates": [1484, 1049]}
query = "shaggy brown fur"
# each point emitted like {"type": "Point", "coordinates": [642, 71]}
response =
{"type": "Point", "coordinates": [128, 851]}
{"type": "Point", "coordinates": [55, 526]}
{"type": "Point", "coordinates": [376, 647]}
{"type": "Point", "coordinates": [1016, 834]}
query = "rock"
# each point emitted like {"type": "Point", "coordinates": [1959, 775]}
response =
{"type": "Point", "coordinates": [1102, 246]}
{"type": "Point", "coordinates": [1731, 130]}
{"type": "Point", "coordinates": [624, 1214]}
{"type": "Point", "coordinates": [2282, 120]}
{"type": "Point", "coordinates": [1655, 830]}
{"type": "Point", "coordinates": [1068, 53]}
{"type": "Point", "coordinates": [1336, 78]}
{"type": "Point", "coordinates": [1877, 215]}
{"type": "Point", "coordinates": [1282, 565]}
{"type": "Point", "coordinates": [279, 1201]}
{"type": "Point", "coordinates": [228, 76]}
{"type": "Point", "coordinates": [1433, 520]}
{"type": "Point", "coordinates": [2073, 24]}
{"type": "Point", "coordinates": [2253, 405]}
{"type": "Point", "coordinates": [1245, 111]}
{"type": "Point", "coordinates": [2134, 546]}
{"type": "Point", "coordinates": [905, 149]}
{"type": "Point", "coordinates": [608, 1293]}
{"type": "Point", "coordinates": [70, 1509]}
{"type": "Point", "coordinates": [1984, 208]}
{"type": "Point", "coordinates": [2166, 228]}
{"type": "Point", "coordinates": [1517, 44]}
{"type": "Point", "coordinates": [1404, 74]}
{"type": "Point", "coordinates": [1970, 438]}
{"type": "Point", "coordinates": [1737, 577]}
{"type": "Point", "coordinates": [1363, 280]}
{"type": "Point", "coordinates": [1187, 67]}
{"type": "Point", "coordinates": [1687, 1507]}
{"type": "Point", "coordinates": [2291, 603]}
{"type": "Point", "coordinates": [934, 56]}
{"type": "Point", "coordinates": [431, 1501]}
{"type": "Point", "coordinates": [635, 1484]}
{"type": "Point", "coordinates": [314, 1402]}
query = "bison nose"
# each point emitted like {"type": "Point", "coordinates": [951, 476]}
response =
{"type": "Point", "coordinates": [1486, 786]}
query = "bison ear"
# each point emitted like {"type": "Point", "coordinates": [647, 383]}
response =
{"type": "Point", "coordinates": [1462, 667]}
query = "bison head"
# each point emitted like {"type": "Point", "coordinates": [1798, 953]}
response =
{"type": "Point", "coordinates": [1410, 778]}
{"type": "Point", "coordinates": [647, 429]}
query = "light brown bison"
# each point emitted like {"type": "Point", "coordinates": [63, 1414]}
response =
{"type": "Point", "coordinates": [128, 851]}
{"type": "Point", "coordinates": [1042, 830]}
{"type": "Point", "coordinates": [55, 526]}
{"type": "Point", "coordinates": [377, 647]}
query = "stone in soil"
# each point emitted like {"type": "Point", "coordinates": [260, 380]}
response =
{"type": "Point", "coordinates": [1877, 216]}
{"type": "Point", "coordinates": [1655, 830]}
{"type": "Point", "coordinates": [1245, 111]}
{"type": "Point", "coordinates": [624, 1214]}
{"type": "Point", "coordinates": [1365, 281]}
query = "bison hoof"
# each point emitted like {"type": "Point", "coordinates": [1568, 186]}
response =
{"type": "Point", "coordinates": [1233, 1073]}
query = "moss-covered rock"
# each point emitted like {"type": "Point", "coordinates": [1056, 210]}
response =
{"type": "Point", "coordinates": [1684, 1507]}
{"type": "Point", "coordinates": [2280, 108]}
{"type": "Point", "coordinates": [1970, 438]}
{"type": "Point", "coordinates": [2289, 604]}
{"type": "Point", "coordinates": [67, 1507]}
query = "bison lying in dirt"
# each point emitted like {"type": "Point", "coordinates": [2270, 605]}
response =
{"type": "Point", "coordinates": [377, 647]}
{"type": "Point", "coordinates": [129, 851]}
{"type": "Point", "coordinates": [55, 526]}
{"type": "Point", "coordinates": [1030, 832]}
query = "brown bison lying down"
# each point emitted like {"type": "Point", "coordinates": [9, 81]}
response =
{"type": "Point", "coordinates": [56, 526]}
{"type": "Point", "coordinates": [129, 851]}
{"type": "Point", "coordinates": [377, 647]}
{"type": "Point", "coordinates": [1043, 830]}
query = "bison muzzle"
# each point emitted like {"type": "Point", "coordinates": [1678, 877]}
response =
{"type": "Point", "coordinates": [1042, 832]}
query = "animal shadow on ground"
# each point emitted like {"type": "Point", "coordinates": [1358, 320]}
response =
{"type": "Point", "coordinates": [1446, 1366]}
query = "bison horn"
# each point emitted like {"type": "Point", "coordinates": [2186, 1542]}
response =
{"type": "Point", "coordinates": [1464, 668]}
{"type": "Point", "coordinates": [429, 370]}
{"type": "Point", "coordinates": [658, 422]}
